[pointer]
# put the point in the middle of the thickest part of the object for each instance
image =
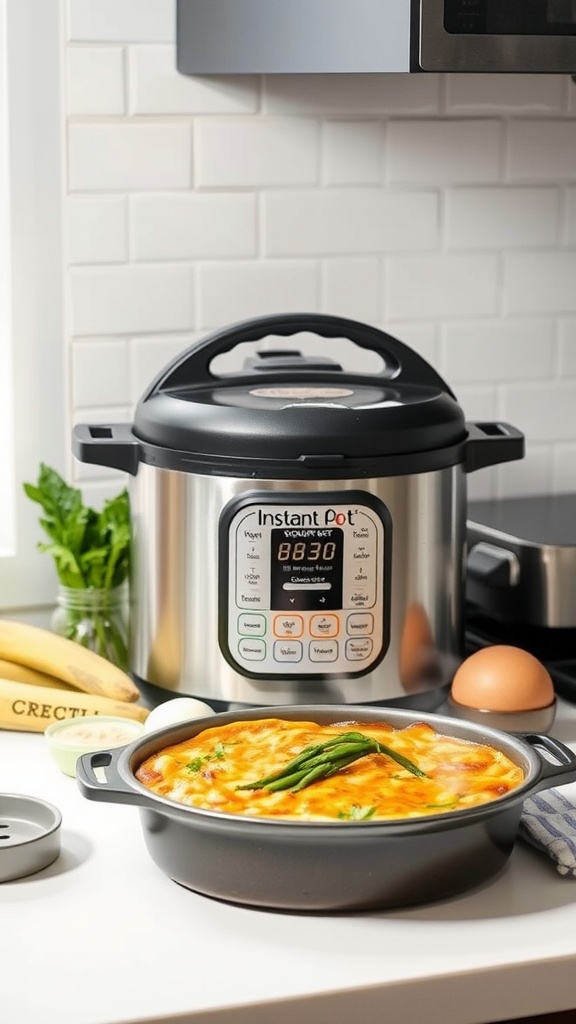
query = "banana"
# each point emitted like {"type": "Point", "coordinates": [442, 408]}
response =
{"type": "Point", "coordinates": [23, 674]}
{"type": "Point", "coordinates": [65, 659]}
{"type": "Point", "coordinates": [28, 708]}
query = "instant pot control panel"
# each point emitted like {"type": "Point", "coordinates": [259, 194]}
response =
{"type": "Point", "coordinates": [304, 584]}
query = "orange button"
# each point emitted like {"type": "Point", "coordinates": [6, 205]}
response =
{"type": "Point", "coordinates": [288, 625]}
{"type": "Point", "coordinates": [324, 625]}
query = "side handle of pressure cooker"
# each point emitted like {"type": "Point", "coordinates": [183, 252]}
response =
{"type": "Point", "coordinates": [490, 443]}
{"type": "Point", "coordinates": [107, 444]}
{"type": "Point", "coordinates": [108, 785]}
{"type": "Point", "coordinates": [401, 362]}
{"type": "Point", "coordinates": [557, 772]}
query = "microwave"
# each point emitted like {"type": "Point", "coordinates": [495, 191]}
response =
{"type": "Point", "coordinates": [216, 37]}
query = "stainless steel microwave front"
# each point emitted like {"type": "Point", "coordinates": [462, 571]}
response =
{"type": "Point", "coordinates": [216, 37]}
{"type": "Point", "coordinates": [497, 36]}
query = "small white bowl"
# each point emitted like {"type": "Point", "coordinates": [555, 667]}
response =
{"type": "Point", "coordinates": [69, 739]}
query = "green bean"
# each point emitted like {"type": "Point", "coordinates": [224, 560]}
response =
{"type": "Point", "coordinates": [322, 760]}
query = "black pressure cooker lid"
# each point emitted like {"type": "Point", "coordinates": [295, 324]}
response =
{"type": "Point", "coordinates": [282, 407]}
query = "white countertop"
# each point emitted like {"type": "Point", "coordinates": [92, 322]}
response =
{"type": "Point", "coordinates": [102, 936]}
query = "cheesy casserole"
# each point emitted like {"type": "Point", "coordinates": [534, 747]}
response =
{"type": "Point", "coordinates": [208, 770]}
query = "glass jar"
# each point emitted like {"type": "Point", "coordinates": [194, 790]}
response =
{"type": "Point", "coordinates": [96, 618]}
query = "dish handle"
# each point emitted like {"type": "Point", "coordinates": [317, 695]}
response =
{"type": "Point", "coordinates": [98, 778]}
{"type": "Point", "coordinates": [556, 770]}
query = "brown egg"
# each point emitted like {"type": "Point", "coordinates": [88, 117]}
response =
{"type": "Point", "coordinates": [502, 678]}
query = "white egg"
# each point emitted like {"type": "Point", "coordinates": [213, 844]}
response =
{"type": "Point", "coordinates": [174, 710]}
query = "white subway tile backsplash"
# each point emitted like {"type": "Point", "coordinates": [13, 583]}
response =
{"type": "Point", "coordinates": [442, 208]}
{"type": "Point", "coordinates": [505, 94]}
{"type": "Point", "coordinates": [498, 217]}
{"type": "Point", "coordinates": [441, 286]}
{"type": "Point", "coordinates": [95, 80]}
{"type": "Point", "coordinates": [440, 152]}
{"type": "Point", "coordinates": [234, 291]}
{"type": "Point", "coordinates": [569, 222]}
{"type": "Point", "coordinates": [130, 299]}
{"type": "Point", "coordinates": [540, 282]}
{"type": "Point", "coordinates": [479, 402]}
{"type": "Point", "coordinates": [156, 87]}
{"type": "Point", "coordinates": [534, 474]}
{"type": "Point", "coordinates": [122, 20]}
{"type": "Point", "coordinates": [542, 150]}
{"type": "Point", "coordinates": [129, 155]}
{"type": "Point", "coordinates": [193, 226]}
{"type": "Point", "coordinates": [545, 411]}
{"type": "Point", "coordinates": [149, 355]}
{"type": "Point", "coordinates": [351, 94]}
{"type": "Point", "coordinates": [567, 349]}
{"type": "Point", "coordinates": [353, 152]}
{"type": "Point", "coordinates": [255, 152]}
{"type": "Point", "coordinates": [497, 350]}
{"type": "Point", "coordinates": [564, 468]}
{"type": "Point", "coordinates": [346, 221]}
{"type": "Point", "coordinates": [96, 229]}
{"type": "Point", "coordinates": [100, 372]}
{"type": "Point", "coordinates": [353, 288]}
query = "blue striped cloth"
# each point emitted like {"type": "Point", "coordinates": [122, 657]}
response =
{"type": "Point", "coordinates": [548, 822]}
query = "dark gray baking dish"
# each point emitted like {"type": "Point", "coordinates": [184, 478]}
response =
{"type": "Point", "coordinates": [321, 866]}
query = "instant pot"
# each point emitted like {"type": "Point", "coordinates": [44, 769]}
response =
{"type": "Point", "coordinates": [299, 530]}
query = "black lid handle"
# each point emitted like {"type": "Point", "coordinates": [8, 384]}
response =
{"type": "Point", "coordinates": [401, 362]}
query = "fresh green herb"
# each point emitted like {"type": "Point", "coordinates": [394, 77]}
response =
{"type": "Point", "coordinates": [198, 762]}
{"type": "Point", "coordinates": [89, 548]}
{"type": "Point", "coordinates": [321, 760]}
{"type": "Point", "coordinates": [357, 813]}
{"type": "Point", "coordinates": [91, 552]}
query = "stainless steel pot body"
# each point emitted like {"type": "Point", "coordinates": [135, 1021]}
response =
{"type": "Point", "coordinates": [176, 604]}
{"type": "Point", "coordinates": [310, 866]}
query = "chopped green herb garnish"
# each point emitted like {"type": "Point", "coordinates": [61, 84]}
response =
{"type": "Point", "coordinates": [357, 813]}
{"type": "Point", "coordinates": [215, 755]}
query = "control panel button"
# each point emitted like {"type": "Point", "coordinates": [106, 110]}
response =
{"type": "Point", "coordinates": [324, 625]}
{"type": "Point", "coordinates": [360, 624]}
{"type": "Point", "coordinates": [252, 650]}
{"type": "Point", "coordinates": [287, 651]}
{"type": "Point", "coordinates": [358, 650]}
{"type": "Point", "coordinates": [323, 650]}
{"type": "Point", "coordinates": [251, 625]}
{"type": "Point", "coordinates": [288, 625]}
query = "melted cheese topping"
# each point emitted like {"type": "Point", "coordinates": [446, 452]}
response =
{"type": "Point", "coordinates": [206, 771]}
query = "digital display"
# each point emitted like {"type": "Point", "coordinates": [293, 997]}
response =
{"type": "Point", "coordinates": [509, 17]}
{"type": "Point", "coordinates": [306, 551]}
{"type": "Point", "coordinates": [306, 568]}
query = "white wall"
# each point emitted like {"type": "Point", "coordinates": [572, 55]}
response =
{"type": "Point", "coordinates": [441, 208]}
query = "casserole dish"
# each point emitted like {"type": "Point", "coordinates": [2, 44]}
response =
{"type": "Point", "coordinates": [332, 865]}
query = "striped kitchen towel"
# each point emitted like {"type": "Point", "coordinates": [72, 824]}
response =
{"type": "Point", "coordinates": [548, 822]}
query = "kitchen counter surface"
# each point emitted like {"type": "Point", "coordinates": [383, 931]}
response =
{"type": "Point", "coordinates": [102, 936]}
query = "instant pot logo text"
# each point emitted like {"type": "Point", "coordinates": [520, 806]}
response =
{"type": "Point", "coordinates": [315, 517]}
